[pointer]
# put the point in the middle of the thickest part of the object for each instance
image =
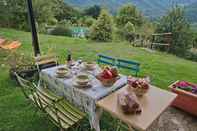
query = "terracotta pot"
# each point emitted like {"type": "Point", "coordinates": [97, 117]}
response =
{"type": "Point", "coordinates": [185, 100]}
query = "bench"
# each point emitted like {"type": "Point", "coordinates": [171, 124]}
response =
{"type": "Point", "coordinates": [120, 63]}
{"type": "Point", "coordinates": [131, 65]}
{"type": "Point", "coordinates": [161, 39]}
{"type": "Point", "coordinates": [106, 60]}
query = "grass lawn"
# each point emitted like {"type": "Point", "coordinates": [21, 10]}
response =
{"type": "Point", "coordinates": [17, 115]}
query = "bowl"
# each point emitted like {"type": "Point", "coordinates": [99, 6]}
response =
{"type": "Point", "coordinates": [62, 71]}
{"type": "Point", "coordinates": [107, 82]}
{"type": "Point", "coordinates": [90, 65]}
{"type": "Point", "coordinates": [82, 79]}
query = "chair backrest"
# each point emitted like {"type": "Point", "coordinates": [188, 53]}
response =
{"type": "Point", "coordinates": [58, 114]}
{"type": "Point", "coordinates": [131, 65]}
{"type": "Point", "coordinates": [28, 88]}
{"type": "Point", "coordinates": [46, 61]}
{"type": "Point", "coordinates": [106, 60]}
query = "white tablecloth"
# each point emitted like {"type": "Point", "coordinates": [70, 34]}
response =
{"type": "Point", "coordinates": [84, 99]}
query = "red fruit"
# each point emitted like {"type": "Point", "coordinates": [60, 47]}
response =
{"type": "Point", "coordinates": [134, 85]}
{"type": "Point", "coordinates": [106, 74]}
{"type": "Point", "coordinates": [145, 86]}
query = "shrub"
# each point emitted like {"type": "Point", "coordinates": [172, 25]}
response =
{"type": "Point", "coordinates": [191, 55]}
{"type": "Point", "coordinates": [101, 30]}
{"type": "Point", "coordinates": [129, 32]}
{"type": "Point", "coordinates": [176, 23]}
{"type": "Point", "coordinates": [61, 31]}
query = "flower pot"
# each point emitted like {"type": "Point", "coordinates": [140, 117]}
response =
{"type": "Point", "coordinates": [185, 100]}
{"type": "Point", "coordinates": [26, 72]}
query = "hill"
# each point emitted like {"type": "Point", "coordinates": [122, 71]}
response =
{"type": "Point", "coordinates": [191, 12]}
{"type": "Point", "coordinates": [150, 8]}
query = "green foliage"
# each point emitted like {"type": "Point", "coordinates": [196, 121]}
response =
{"type": "Point", "coordinates": [13, 14]}
{"type": "Point", "coordinates": [93, 11]}
{"type": "Point", "coordinates": [176, 23]}
{"type": "Point", "coordinates": [61, 31]}
{"type": "Point", "coordinates": [129, 13]}
{"type": "Point", "coordinates": [86, 21]}
{"type": "Point", "coordinates": [101, 30]}
{"type": "Point", "coordinates": [129, 32]}
{"type": "Point", "coordinates": [66, 12]}
{"type": "Point", "coordinates": [191, 54]}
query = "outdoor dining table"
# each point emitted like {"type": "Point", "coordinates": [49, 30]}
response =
{"type": "Point", "coordinates": [153, 104]}
{"type": "Point", "coordinates": [84, 99]}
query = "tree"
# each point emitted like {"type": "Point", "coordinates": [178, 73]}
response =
{"type": "Point", "coordinates": [176, 23]}
{"type": "Point", "coordinates": [93, 11]}
{"type": "Point", "coordinates": [129, 32]}
{"type": "Point", "coordinates": [102, 28]}
{"type": "Point", "coordinates": [65, 11]}
{"type": "Point", "coordinates": [14, 13]}
{"type": "Point", "coordinates": [129, 13]}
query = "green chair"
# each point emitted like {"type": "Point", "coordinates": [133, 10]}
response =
{"type": "Point", "coordinates": [63, 114]}
{"type": "Point", "coordinates": [29, 90]}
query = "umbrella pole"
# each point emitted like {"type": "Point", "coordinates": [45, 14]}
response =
{"type": "Point", "coordinates": [35, 42]}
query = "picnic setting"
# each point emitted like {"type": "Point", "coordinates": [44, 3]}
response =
{"type": "Point", "coordinates": [98, 65]}
{"type": "Point", "coordinates": [78, 89]}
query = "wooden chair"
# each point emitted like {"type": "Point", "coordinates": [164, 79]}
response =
{"type": "Point", "coordinates": [162, 39]}
{"type": "Point", "coordinates": [106, 60]}
{"type": "Point", "coordinates": [60, 112]}
{"type": "Point", "coordinates": [46, 61]}
{"type": "Point", "coordinates": [131, 65]}
{"type": "Point", "coordinates": [29, 90]}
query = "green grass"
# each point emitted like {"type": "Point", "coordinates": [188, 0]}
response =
{"type": "Point", "coordinates": [17, 115]}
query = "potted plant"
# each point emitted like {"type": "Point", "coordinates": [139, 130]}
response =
{"type": "Point", "coordinates": [22, 65]}
{"type": "Point", "coordinates": [187, 96]}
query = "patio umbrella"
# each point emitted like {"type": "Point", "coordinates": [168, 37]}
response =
{"type": "Point", "coordinates": [35, 42]}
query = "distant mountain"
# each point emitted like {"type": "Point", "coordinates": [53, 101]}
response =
{"type": "Point", "coordinates": [191, 12]}
{"type": "Point", "coordinates": [150, 8]}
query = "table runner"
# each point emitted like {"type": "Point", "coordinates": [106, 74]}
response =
{"type": "Point", "coordinates": [84, 99]}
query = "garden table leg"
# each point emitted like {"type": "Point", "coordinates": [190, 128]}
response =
{"type": "Point", "coordinates": [131, 128]}
{"type": "Point", "coordinates": [99, 113]}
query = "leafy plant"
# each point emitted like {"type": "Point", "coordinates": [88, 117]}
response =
{"type": "Point", "coordinates": [102, 28]}
{"type": "Point", "coordinates": [176, 23]}
{"type": "Point", "coordinates": [61, 31]}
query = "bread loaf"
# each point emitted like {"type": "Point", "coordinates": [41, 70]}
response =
{"type": "Point", "coordinates": [129, 103]}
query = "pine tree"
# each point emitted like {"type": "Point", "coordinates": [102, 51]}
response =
{"type": "Point", "coordinates": [102, 28]}
{"type": "Point", "coordinates": [129, 13]}
{"type": "Point", "coordinates": [129, 32]}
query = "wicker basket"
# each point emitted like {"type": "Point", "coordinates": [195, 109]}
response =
{"type": "Point", "coordinates": [107, 82]}
{"type": "Point", "coordinates": [138, 91]}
